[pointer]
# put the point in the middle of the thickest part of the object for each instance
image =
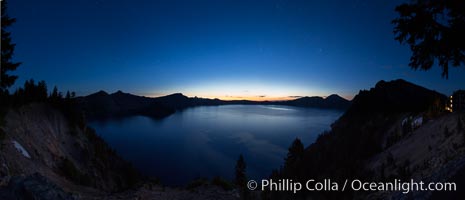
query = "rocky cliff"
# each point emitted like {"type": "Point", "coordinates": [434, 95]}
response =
{"type": "Point", "coordinates": [45, 155]}
{"type": "Point", "coordinates": [395, 130]}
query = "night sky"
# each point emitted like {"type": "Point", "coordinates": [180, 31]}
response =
{"type": "Point", "coordinates": [261, 50]}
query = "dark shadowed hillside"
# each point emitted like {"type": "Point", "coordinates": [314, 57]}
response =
{"type": "Point", "coordinates": [46, 156]}
{"type": "Point", "coordinates": [372, 126]}
{"type": "Point", "coordinates": [396, 96]}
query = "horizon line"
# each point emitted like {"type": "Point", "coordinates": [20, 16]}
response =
{"type": "Point", "coordinates": [258, 98]}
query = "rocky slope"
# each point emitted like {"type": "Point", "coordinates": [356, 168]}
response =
{"type": "Point", "coordinates": [396, 130]}
{"type": "Point", "coordinates": [40, 140]}
{"type": "Point", "coordinates": [432, 152]}
{"type": "Point", "coordinates": [45, 156]}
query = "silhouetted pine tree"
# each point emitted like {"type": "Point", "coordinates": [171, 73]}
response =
{"type": "Point", "coordinates": [294, 156]}
{"type": "Point", "coordinates": [241, 177]}
{"type": "Point", "coordinates": [296, 150]}
{"type": "Point", "coordinates": [42, 91]}
{"type": "Point", "coordinates": [434, 31]}
{"type": "Point", "coordinates": [68, 96]}
{"type": "Point", "coordinates": [7, 51]}
{"type": "Point", "coordinates": [55, 94]}
{"type": "Point", "coordinates": [31, 92]}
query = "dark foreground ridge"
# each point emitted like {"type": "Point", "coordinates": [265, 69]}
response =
{"type": "Point", "coordinates": [396, 130]}
{"type": "Point", "coordinates": [120, 104]}
{"type": "Point", "coordinates": [45, 155]}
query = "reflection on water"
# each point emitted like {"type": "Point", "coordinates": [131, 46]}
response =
{"type": "Point", "coordinates": [206, 141]}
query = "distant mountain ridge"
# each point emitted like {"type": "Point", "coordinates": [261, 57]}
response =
{"type": "Point", "coordinates": [333, 101]}
{"type": "Point", "coordinates": [118, 104]}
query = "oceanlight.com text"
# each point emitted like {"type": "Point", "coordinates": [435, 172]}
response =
{"type": "Point", "coordinates": [289, 185]}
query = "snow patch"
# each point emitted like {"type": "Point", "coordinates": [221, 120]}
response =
{"type": "Point", "coordinates": [417, 122]}
{"type": "Point", "coordinates": [21, 149]}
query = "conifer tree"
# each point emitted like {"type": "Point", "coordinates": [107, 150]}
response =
{"type": "Point", "coordinates": [7, 51]}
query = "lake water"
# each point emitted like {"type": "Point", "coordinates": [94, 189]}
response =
{"type": "Point", "coordinates": [206, 141]}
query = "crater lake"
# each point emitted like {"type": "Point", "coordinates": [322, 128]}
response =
{"type": "Point", "coordinates": [206, 141]}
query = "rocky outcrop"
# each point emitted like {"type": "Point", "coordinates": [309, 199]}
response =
{"type": "Point", "coordinates": [46, 156]}
{"type": "Point", "coordinates": [33, 186]}
{"type": "Point", "coordinates": [39, 139]}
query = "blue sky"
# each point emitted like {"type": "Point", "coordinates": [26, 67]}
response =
{"type": "Point", "coordinates": [232, 49]}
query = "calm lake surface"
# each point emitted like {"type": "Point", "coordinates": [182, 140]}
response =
{"type": "Point", "coordinates": [206, 141]}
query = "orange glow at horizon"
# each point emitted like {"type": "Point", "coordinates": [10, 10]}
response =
{"type": "Point", "coordinates": [233, 98]}
{"type": "Point", "coordinates": [251, 98]}
{"type": "Point", "coordinates": [250, 92]}
{"type": "Point", "coordinates": [247, 98]}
